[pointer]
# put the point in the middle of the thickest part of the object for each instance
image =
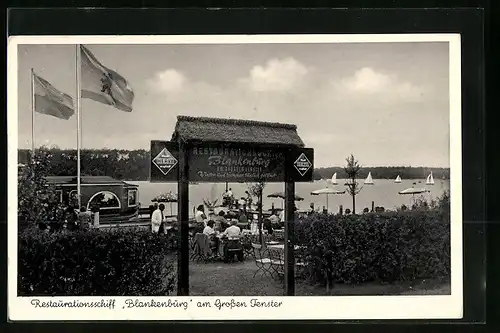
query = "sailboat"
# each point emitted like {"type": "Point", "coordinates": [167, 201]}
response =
{"type": "Point", "coordinates": [369, 180]}
{"type": "Point", "coordinates": [334, 179]}
{"type": "Point", "coordinates": [430, 179]}
{"type": "Point", "coordinates": [398, 179]}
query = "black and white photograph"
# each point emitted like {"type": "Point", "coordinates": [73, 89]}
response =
{"type": "Point", "coordinates": [235, 177]}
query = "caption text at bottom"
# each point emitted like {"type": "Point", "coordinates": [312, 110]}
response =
{"type": "Point", "coordinates": [131, 303]}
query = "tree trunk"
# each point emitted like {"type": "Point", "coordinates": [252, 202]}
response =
{"type": "Point", "coordinates": [354, 204]}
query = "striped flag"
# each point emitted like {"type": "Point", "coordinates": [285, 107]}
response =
{"type": "Point", "coordinates": [102, 84]}
{"type": "Point", "coordinates": [50, 101]}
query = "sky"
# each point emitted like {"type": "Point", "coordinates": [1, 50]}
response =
{"type": "Point", "coordinates": [386, 103]}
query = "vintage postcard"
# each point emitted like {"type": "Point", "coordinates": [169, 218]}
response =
{"type": "Point", "coordinates": [234, 177]}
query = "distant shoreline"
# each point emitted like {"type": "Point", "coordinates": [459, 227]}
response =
{"type": "Point", "coordinates": [134, 165]}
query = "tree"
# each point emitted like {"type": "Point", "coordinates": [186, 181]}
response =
{"type": "Point", "coordinates": [352, 169]}
{"type": "Point", "coordinates": [37, 199]}
{"type": "Point", "coordinates": [257, 190]}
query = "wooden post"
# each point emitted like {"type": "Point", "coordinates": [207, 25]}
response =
{"type": "Point", "coordinates": [373, 206]}
{"type": "Point", "coordinates": [341, 210]}
{"type": "Point", "coordinates": [289, 238]}
{"type": "Point", "coordinates": [259, 219]}
{"type": "Point", "coordinates": [183, 221]}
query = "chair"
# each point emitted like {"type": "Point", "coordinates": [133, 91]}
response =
{"type": "Point", "coordinates": [262, 262]}
{"type": "Point", "coordinates": [201, 249]}
{"type": "Point", "coordinates": [233, 247]}
{"type": "Point", "coordinates": [277, 261]}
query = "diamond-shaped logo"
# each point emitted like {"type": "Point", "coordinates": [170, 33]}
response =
{"type": "Point", "coordinates": [165, 161]}
{"type": "Point", "coordinates": [302, 164]}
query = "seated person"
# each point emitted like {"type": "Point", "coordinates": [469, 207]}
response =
{"type": "Point", "coordinates": [243, 217]}
{"type": "Point", "coordinates": [242, 203]}
{"type": "Point", "coordinates": [268, 226]}
{"type": "Point", "coordinates": [233, 234]}
{"type": "Point", "coordinates": [200, 215]}
{"type": "Point", "coordinates": [274, 219]}
{"type": "Point", "coordinates": [199, 227]}
{"type": "Point", "coordinates": [233, 231]}
{"type": "Point", "coordinates": [221, 222]}
{"type": "Point", "coordinates": [211, 233]}
{"type": "Point", "coordinates": [209, 229]}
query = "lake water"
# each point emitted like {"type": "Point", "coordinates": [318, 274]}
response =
{"type": "Point", "coordinates": [384, 193]}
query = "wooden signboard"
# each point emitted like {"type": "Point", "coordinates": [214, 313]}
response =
{"type": "Point", "coordinates": [164, 163]}
{"type": "Point", "coordinates": [217, 163]}
{"type": "Point", "coordinates": [300, 165]}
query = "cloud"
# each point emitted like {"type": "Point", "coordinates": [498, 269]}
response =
{"type": "Point", "coordinates": [276, 75]}
{"type": "Point", "coordinates": [367, 81]}
{"type": "Point", "coordinates": [169, 80]}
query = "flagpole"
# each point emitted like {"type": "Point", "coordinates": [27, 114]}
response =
{"type": "Point", "coordinates": [78, 123]}
{"type": "Point", "coordinates": [32, 113]}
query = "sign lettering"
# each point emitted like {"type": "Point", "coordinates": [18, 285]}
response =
{"type": "Point", "coordinates": [214, 163]}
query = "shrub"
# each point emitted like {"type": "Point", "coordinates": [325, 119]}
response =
{"type": "Point", "coordinates": [94, 263]}
{"type": "Point", "coordinates": [387, 247]}
{"type": "Point", "coordinates": [37, 200]}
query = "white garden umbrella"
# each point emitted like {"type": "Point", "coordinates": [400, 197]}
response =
{"type": "Point", "coordinates": [413, 191]}
{"type": "Point", "coordinates": [281, 195]}
{"type": "Point", "coordinates": [327, 191]}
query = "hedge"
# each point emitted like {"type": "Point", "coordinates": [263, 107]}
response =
{"type": "Point", "coordinates": [387, 247]}
{"type": "Point", "coordinates": [94, 263]}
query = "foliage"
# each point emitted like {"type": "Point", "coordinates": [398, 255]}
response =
{"type": "Point", "coordinates": [94, 263]}
{"type": "Point", "coordinates": [210, 204]}
{"type": "Point", "coordinates": [257, 190]}
{"type": "Point", "coordinates": [119, 164]}
{"type": "Point", "coordinates": [387, 247]}
{"type": "Point", "coordinates": [443, 203]}
{"type": "Point", "coordinates": [166, 197]}
{"type": "Point", "coordinates": [134, 165]}
{"type": "Point", "coordinates": [37, 200]}
{"type": "Point", "coordinates": [352, 170]}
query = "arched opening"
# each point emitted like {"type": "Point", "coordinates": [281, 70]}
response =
{"type": "Point", "coordinates": [104, 200]}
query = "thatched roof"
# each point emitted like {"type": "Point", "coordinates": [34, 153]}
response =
{"type": "Point", "coordinates": [235, 130]}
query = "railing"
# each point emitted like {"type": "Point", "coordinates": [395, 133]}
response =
{"type": "Point", "coordinates": [145, 213]}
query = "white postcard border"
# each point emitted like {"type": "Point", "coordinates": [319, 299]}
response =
{"type": "Point", "coordinates": [298, 307]}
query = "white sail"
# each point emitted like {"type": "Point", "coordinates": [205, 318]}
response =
{"type": "Point", "coordinates": [430, 179]}
{"type": "Point", "coordinates": [398, 179]}
{"type": "Point", "coordinates": [369, 180]}
{"type": "Point", "coordinates": [334, 179]}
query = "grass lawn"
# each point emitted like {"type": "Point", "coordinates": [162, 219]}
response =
{"type": "Point", "coordinates": [235, 279]}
